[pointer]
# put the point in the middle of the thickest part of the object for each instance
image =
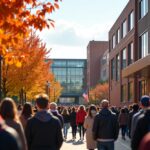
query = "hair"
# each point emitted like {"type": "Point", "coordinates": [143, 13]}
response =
{"type": "Point", "coordinates": [53, 105]}
{"type": "Point", "coordinates": [81, 107]}
{"type": "Point", "coordinates": [73, 109]}
{"type": "Point", "coordinates": [65, 112]}
{"type": "Point", "coordinates": [27, 110]}
{"type": "Point", "coordinates": [135, 107]}
{"type": "Point", "coordinates": [105, 103]}
{"type": "Point", "coordinates": [92, 107]}
{"type": "Point", "coordinates": [42, 101]}
{"type": "Point", "coordinates": [8, 109]}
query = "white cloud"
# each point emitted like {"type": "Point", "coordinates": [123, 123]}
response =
{"type": "Point", "coordinates": [70, 39]}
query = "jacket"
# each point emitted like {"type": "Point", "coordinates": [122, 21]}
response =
{"type": "Point", "coordinates": [9, 139]}
{"type": "Point", "coordinates": [142, 128]}
{"type": "Point", "coordinates": [105, 125]}
{"type": "Point", "coordinates": [80, 116]}
{"type": "Point", "coordinates": [73, 118]}
{"type": "Point", "coordinates": [43, 132]}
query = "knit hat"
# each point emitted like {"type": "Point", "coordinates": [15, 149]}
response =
{"type": "Point", "coordinates": [145, 100]}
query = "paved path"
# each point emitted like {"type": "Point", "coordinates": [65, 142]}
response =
{"type": "Point", "coordinates": [78, 145]}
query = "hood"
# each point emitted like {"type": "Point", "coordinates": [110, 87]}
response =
{"type": "Point", "coordinates": [105, 112]}
{"type": "Point", "coordinates": [43, 116]}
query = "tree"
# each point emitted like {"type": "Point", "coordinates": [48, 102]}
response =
{"type": "Point", "coordinates": [32, 75]}
{"type": "Point", "coordinates": [100, 92]}
{"type": "Point", "coordinates": [18, 17]}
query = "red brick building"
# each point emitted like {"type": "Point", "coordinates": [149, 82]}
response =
{"type": "Point", "coordinates": [129, 58]}
{"type": "Point", "coordinates": [95, 50]}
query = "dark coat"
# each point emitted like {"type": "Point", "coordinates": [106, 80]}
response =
{"type": "Point", "coordinates": [105, 125]}
{"type": "Point", "coordinates": [142, 128]}
{"type": "Point", "coordinates": [9, 139]}
{"type": "Point", "coordinates": [73, 118]}
{"type": "Point", "coordinates": [43, 132]}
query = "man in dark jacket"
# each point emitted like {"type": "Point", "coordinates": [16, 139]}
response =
{"type": "Point", "coordinates": [142, 128]}
{"type": "Point", "coordinates": [105, 128]}
{"type": "Point", "coordinates": [9, 139]}
{"type": "Point", "coordinates": [43, 131]}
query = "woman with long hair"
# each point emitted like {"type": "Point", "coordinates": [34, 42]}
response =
{"type": "Point", "coordinates": [66, 125]}
{"type": "Point", "coordinates": [9, 113]}
{"type": "Point", "coordinates": [27, 113]}
{"type": "Point", "coordinates": [80, 121]}
{"type": "Point", "coordinates": [88, 124]}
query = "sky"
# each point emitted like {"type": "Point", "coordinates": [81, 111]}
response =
{"type": "Point", "coordinates": [77, 22]}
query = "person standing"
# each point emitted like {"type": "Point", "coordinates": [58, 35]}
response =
{"type": "Point", "coordinates": [9, 113]}
{"type": "Point", "coordinates": [88, 125]}
{"type": "Point", "coordinates": [123, 122]}
{"type": "Point", "coordinates": [66, 118]}
{"type": "Point", "coordinates": [43, 131]}
{"type": "Point", "coordinates": [73, 122]}
{"type": "Point", "coordinates": [80, 121]}
{"type": "Point", "coordinates": [105, 128]}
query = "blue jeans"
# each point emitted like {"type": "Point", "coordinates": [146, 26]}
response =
{"type": "Point", "coordinates": [65, 129]}
{"type": "Point", "coordinates": [105, 145]}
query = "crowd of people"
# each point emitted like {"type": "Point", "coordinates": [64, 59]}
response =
{"type": "Point", "coordinates": [45, 125]}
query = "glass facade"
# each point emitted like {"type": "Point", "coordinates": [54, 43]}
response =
{"type": "Point", "coordinates": [71, 75]}
{"type": "Point", "coordinates": [143, 41]}
{"type": "Point", "coordinates": [143, 8]}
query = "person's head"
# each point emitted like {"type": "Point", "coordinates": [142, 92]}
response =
{"type": "Point", "coordinates": [123, 110]}
{"type": "Point", "coordinates": [42, 101]}
{"type": "Point", "coordinates": [8, 109]}
{"type": "Point", "coordinates": [92, 111]}
{"type": "Point", "coordinates": [145, 101]}
{"type": "Point", "coordinates": [73, 109]}
{"type": "Point", "coordinates": [65, 112]}
{"type": "Point", "coordinates": [27, 110]}
{"type": "Point", "coordinates": [82, 107]}
{"type": "Point", "coordinates": [105, 103]}
{"type": "Point", "coordinates": [53, 106]}
{"type": "Point", "coordinates": [135, 107]}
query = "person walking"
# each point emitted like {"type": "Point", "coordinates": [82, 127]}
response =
{"type": "Point", "coordinates": [80, 121]}
{"type": "Point", "coordinates": [27, 113]}
{"type": "Point", "coordinates": [73, 122]}
{"type": "Point", "coordinates": [9, 139]}
{"type": "Point", "coordinates": [105, 128]}
{"type": "Point", "coordinates": [66, 118]}
{"type": "Point", "coordinates": [123, 122]}
{"type": "Point", "coordinates": [43, 131]}
{"type": "Point", "coordinates": [88, 125]}
{"type": "Point", "coordinates": [9, 113]}
{"type": "Point", "coordinates": [54, 111]}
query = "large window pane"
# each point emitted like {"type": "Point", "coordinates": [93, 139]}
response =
{"type": "Point", "coordinates": [113, 41]}
{"type": "Point", "coordinates": [130, 91]}
{"type": "Point", "coordinates": [130, 53]}
{"type": "Point", "coordinates": [131, 21]}
{"type": "Point", "coordinates": [143, 50]}
{"type": "Point", "coordinates": [118, 67]}
{"type": "Point", "coordinates": [113, 69]}
{"type": "Point", "coordinates": [118, 36]}
{"type": "Point", "coordinates": [124, 28]}
{"type": "Point", "coordinates": [124, 59]}
{"type": "Point", "coordinates": [123, 93]}
{"type": "Point", "coordinates": [143, 8]}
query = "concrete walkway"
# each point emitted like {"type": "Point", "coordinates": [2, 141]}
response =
{"type": "Point", "coordinates": [79, 145]}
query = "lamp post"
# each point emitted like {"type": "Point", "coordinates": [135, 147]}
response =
{"type": "Point", "coordinates": [48, 88]}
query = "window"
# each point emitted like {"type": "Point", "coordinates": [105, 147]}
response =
{"type": "Point", "coordinates": [142, 88]}
{"type": "Point", "coordinates": [143, 48]}
{"type": "Point", "coordinates": [143, 8]}
{"type": "Point", "coordinates": [124, 58]}
{"type": "Point", "coordinates": [118, 36]}
{"type": "Point", "coordinates": [113, 41]}
{"type": "Point", "coordinates": [113, 69]}
{"type": "Point", "coordinates": [130, 53]}
{"type": "Point", "coordinates": [123, 93]}
{"type": "Point", "coordinates": [124, 28]}
{"type": "Point", "coordinates": [131, 21]}
{"type": "Point", "coordinates": [130, 91]}
{"type": "Point", "coordinates": [117, 67]}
